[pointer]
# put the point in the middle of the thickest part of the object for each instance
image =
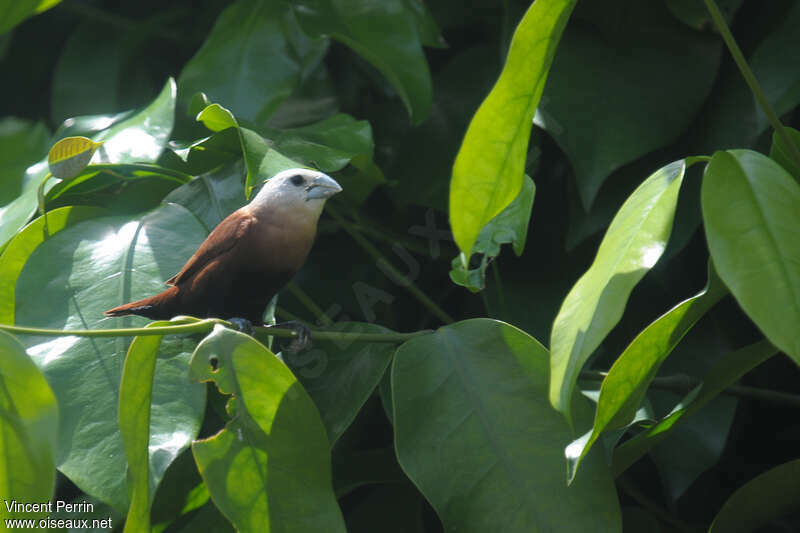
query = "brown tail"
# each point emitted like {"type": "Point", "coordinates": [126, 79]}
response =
{"type": "Point", "coordinates": [156, 307]}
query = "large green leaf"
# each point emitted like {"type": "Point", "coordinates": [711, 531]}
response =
{"type": "Point", "coordinates": [782, 153]}
{"type": "Point", "coordinates": [590, 107]}
{"type": "Point", "coordinates": [12, 12]}
{"type": "Point", "coordinates": [138, 138]}
{"type": "Point", "coordinates": [341, 376]}
{"type": "Point", "coordinates": [773, 494]}
{"type": "Point", "coordinates": [750, 209]}
{"type": "Point", "coordinates": [722, 375]}
{"type": "Point", "coordinates": [25, 242]}
{"type": "Point", "coordinates": [384, 33]}
{"type": "Point", "coordinates": [475, 432]}
{"type": "Point", "coordinates": [28, 432]}
{"type": "Point", "coordinates": [274, 447]}
{"type": "Point", "coordinates": [66, 283]}
{"type": "Point", "coordinates": [135, 399]}
{"type": "Point", "coordinates": [632, 244]}
{"type": "Point", "coordinates": [22, 143]}
{"type": "Point", "coordinates": [623, 389]}
{"type": "Point", "coordinates": [489, 168]}
{"type": "Point", "coordinates": [252, 59]}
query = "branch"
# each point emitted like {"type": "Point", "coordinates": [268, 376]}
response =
{"type": "Point", "coordinates": [750, 78]}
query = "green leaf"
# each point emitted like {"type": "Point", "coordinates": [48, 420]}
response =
{"type": "Point", "coordinates": [252, 59]}
{"type": "Point", "coordinates": [341, 376]}
{"type": "Point", "coordinates": [599, 119]}
{"type": "Point", "coordinates": [262, 161]}
{"type": "Point", "coordinates": [135, 399]}
{"type": "Point", "coordinates": [25, 242]}
{"type": "Point", "coordinates": [489, 168]}
{"type": "Point", "coordinates": [722, 375]}
{"type": "Point", "coordinates": [632, 244]}
{"type": "Point", "coordinates": [509, 226]}
{"type": "Point", "coordinates": [475, 432]}
{"type": "Point", "coordinates": [28, 431]}
{"type": "Point", "coordinates": [217, 118]}
{"type": "Point", "coordinates": [88, 78]}
{"type": "Point", "coordinates": [328, 145]}
{"type": "Point", "coordinates": [429, 33]}
{"type": "Point", "coordinates": [281, 485]}
{"type": "Point", "coordinates": [138, 138]}
{"type": "Point", "coordinates": [204, 155]}
{"type": "Point", "coordinates": [69, 156]}
{"type": "Point", "coordinates": [12, 12]}
{"type": "Point", "coordinates": [66, 283]}
{"type": "Point", "coordinates": [385, 34]}
{"type": "Point", "coordinates": [768, 496]}
{"type": "Point", "coordinates": [213, 196]}
{"type": "Point", "coordinates": [750, 209]}
{"type": "Point", "coordinates": [22, 143]}
{"type": "Point", "coordinates": [782, 153]}
{"type": "Point", "coordinates": [623, 389]}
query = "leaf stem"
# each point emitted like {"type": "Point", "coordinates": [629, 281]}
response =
{"type": "Point", "coordinates": [682, 384]}
{"type": "Point", "coordinates": [205, 326]}
{"type": "Point", "coordinates": [750, 78]}
{"type": "Point", "coordinates": [392, 271]}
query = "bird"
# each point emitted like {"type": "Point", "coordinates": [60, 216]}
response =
{"type": "Point", "coordinates": [248, 257]}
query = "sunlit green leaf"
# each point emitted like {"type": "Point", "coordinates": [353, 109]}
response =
{"type": "Point", "coordinates": [66, 283]}
{"type": "Point", "coordinates": [280, 485]}
{"type": "Point", "coordinates": [722, 375]}
{"type": "Point", "coordinates": [750, 209]}
{"type": "Point", "coordinates": [138, 138]}
{"type": "Point", "coordinates": [475, 432]}
{"type": "Point", "coordinates": [632, 244]}
{"type": "Point", "coordinates": [489, 168]}
{"type": "Point", "coordinates": [624, 387]}
{"type": "Point", "coordinates": [12, 12]}
{"type": "Point", "coordinates": [768, 496]}
{"type": "Point", "coordinates": [28, 432]}
{"type": "Point", "coordinates": [509, 226]}
{"type": "Point", "coordinates": [69, 156]}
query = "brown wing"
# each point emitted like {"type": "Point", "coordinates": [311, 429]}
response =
{"type": "Point", "coordinates": [223, 238]}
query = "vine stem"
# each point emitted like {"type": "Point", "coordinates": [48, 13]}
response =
{"type": "Point", "coordinates": [683, 384]}
{"type": "Point", "coordinates": [205, 326]}
{"type": "Point", "coordinates": [750, 78]}
{"type": "Point", "coordinates": [393, 272]}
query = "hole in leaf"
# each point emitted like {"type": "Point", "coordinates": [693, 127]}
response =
{"type": "Point", "coordinates": [214, 362]}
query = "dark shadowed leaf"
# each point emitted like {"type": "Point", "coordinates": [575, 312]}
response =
{"type": "Point", "coordinates": [280, 486]}
{"type": "Point", "coordinates": [212, 196]}
{"type": "Point", "coordinates": [632, 244]}
{"type": "Point", "coordinates": [28, 431]}
{"type": "Point", "coordinates": [66, 283]}
{"type": "Point", "coordinates": [341, 375]}
{"type": "Point", "coordinates": [475, 432]}
{"type": "Point", "coordinates": [252, 59]}
{"type": "Point", "coordinates": [594, 112]}
{"type": "Point", "coordinates": [773, 494]}
{"type": "Point", "coordinates": [384, 33]}
{"type": "Point", "coordinates": [22, 143]}
{"type": "Point", "coordinates": [489, 169]}
{"type": "Point", "coordinates": [751, 220]}
{"type": "Point", "coordinates": [782, 153]}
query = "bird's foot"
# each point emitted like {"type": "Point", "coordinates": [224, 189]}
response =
{"type": "Point", "coordinates": [302, 339]}
{"type": "Point", "coordinates": [243, 325]}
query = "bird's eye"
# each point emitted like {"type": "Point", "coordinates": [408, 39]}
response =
{"type": "Point", "coordinates": [297, 179]}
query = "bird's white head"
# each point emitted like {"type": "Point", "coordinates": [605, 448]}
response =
{"type": "Point", "coordinates": [296, 189]}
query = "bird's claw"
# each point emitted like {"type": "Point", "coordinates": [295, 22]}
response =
{"type": "Point", "coordinates": [243, 325]}
{"type": "Point", "coordinates": [302, 339]}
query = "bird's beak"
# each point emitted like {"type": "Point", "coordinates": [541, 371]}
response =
{"type": "Point", "coordinates": [322, 187]}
